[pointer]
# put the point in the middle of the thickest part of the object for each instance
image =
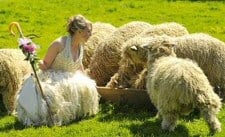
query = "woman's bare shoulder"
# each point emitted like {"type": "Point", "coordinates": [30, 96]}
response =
{"type": "Point", "coordinates": [59, 43]}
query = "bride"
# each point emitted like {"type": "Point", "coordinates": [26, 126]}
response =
{"type": "Point", "coordinates": [69, 93]}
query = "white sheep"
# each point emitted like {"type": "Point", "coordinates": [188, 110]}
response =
{"type": "Point", "coordinates": [100, 31]}
{"type": "Point", "coordinates": [132, 70]}
{"type": "Point", "coordinates": [13, 69]}
{"type": "Point", "coordinates": [130, 65]}
{"type": "Point", "coordinates": [176, 86]}
{"type": "Point", "coordinates": [207, 51]}
{"type": "Point", "coordinates": [104, 62]}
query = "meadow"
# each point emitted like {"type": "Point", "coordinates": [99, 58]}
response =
{"type": "Point", "coordinates": [48, 18]}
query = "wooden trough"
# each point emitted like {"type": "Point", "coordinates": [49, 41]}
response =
{"type": "Point", "coordinates": [135, 97]}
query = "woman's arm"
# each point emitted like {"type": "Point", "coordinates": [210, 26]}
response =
{"type": "Point", "coordinates": [52, 52]}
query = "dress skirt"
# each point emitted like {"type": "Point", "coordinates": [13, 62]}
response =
{"type": "Point", "coordinates": [68, 97]}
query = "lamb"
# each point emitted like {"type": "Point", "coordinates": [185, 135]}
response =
{"type": "Point", "coordinates": [105, 60]}
{"type": "Point", "coordinates": [13, 68]}
{"type": "Point", "coordinates": [99, 33]}
{"type": "Point", "coordinates": [176, 86]}
{"type": "Point", "coordinates": [132, 70]}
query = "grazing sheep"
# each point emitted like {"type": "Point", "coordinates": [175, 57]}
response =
{"type": "Point", "coordinates": [207, 51]}
{"type": "Point", "coordinates": [13, 68]}
{"type": "Point", "coordinates": [130, 65]}
{"type": "Point", "coordinates": [132, 70]}
{"type": "Point", "coordinates": [100, 31]}
{"type": "Point", "coordinates": [176, 86]}
{"type": "Point", "coordinates": [104, 63]}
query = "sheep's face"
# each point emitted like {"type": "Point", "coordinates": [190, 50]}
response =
{"type": "Point", "coordinates": [136, 53]}
{"type": "Point", "coordinates": [159, 48]}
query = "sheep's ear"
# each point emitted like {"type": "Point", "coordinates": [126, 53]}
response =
{"type": "Point", "coordinates": [145, 46]}
{"type": "Point", "coordinates": [169, 44]}
{"type": "Point", "coordinates": [133, 48]}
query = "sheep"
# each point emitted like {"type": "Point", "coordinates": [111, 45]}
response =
{"type": "Point", "coordinates": [13, 69]}
{"type": "Point", "coordinates": [99, 33]}
{"type": "Point", "coordinates": [207, 51]}
{"type": "Point", "coordinates": [129, 65]}
{"type": "Point", "coordinates": [176, 86]}
{"type": "Point", "coordinates": [168, 28]}
{"type": "Point", "coordinates": [132, 70]}
{"type": "Point", "coordinates": [104, 62]}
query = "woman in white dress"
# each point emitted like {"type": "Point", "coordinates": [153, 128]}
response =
{"type": "Point", "coordinates": [69, 93]}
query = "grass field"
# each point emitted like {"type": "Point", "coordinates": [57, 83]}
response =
{"type": "Point", "coordinates": [47, 19]}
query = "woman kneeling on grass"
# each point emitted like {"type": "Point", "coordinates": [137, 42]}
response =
{"type": "Point", "coordinates": [70, 94]}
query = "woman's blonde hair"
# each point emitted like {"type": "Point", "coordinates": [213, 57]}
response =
{"type": "Point", "coordinates": [77, 22]}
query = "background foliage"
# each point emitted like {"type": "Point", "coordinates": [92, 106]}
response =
{"type": "Point", "coordinates": [47, 19]}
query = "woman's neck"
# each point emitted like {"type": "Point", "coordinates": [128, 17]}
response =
{"type": "Point", "coordinates": [75, 42]}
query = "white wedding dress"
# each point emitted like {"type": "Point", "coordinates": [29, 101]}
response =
{"type": "Point", "coordinates": [70, 93]}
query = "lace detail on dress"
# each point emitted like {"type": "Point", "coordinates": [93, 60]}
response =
{"type": "Point", "coordinates": [64, 60]}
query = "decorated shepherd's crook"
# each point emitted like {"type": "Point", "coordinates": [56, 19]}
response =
{"type": "Point", "coordinates": [17, 25]}
{"type": "Point", "coordinates": [29, 51]}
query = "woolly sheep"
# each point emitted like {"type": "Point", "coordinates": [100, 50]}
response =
{"type": "Point", "coordinates": [129, 65]}
{"type": "Point", "coordinates": [13, 68]}
{"type": "Point", "coordinates": [207, 51]}
{"type": "Point", "coordinates": [104, 63]}
{"type": "Point", "coordinates": [132, 70]}
{"type": "Point", "coordinates": [100, 31]}
{"type": "Point", "coordinates": [176, 86]}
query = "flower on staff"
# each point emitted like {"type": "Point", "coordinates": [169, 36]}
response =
{"type": "Point", "coordinates": [27, 45]}
{"type": "Point", "coordinates": [29, 50]}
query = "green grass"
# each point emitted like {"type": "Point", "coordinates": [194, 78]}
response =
{"type": "Point", "coordinates": [47, 19]}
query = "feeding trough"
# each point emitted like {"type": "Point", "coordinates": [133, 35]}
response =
{"type": "Point", "coordinates": [136, 97]}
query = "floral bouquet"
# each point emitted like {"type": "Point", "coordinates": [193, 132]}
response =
{"type": "Point", "coordinates": [26, 45]}
{"type": "Point", "coordinates": [29, 50]}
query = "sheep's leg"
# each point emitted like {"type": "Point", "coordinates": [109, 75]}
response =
{"type": "Point", "coordinates": [8, 101]}
{"type": "Point", "coordinates": [169, 121]}
{"type": "Point", "coordinates": [140, 83]}
{"type": "Point", "coordinates": [212, 121]}
{"type": "Point", "coordinates": [113, 83]}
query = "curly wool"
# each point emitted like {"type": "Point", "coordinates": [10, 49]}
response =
{"type": "Point", "coordinates": [99, 33]}
{"type": "Point", "coordinates": [13, 69]}
{"type": "Point", "coordinates": [74, 97]}
{"type": "Point", "coordinates": [132, 71]}
{"type": "Point", "coordinates": [130, 65]}
{"type": "Point", "coordinates": [207, 51]}
{"type": "Point", "coordinates": [176, 86]}
{"type": "Point", "coordinates": [168, 28]}
{"type": "Point", "coordinates": [104, 63]}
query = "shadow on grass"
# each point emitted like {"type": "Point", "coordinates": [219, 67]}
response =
{"type": "Point", "coordinates": [150, 126]}
{"type": "Point", "coordinates": [12, 125]}
{"type": "Point", "coordinates": [153, 129]}
{"type": "Point", "coordinates": [112, 112]}
{"type": "Point", "coordinates": [3, 111]}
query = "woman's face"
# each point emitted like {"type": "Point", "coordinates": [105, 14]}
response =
{"type": "Point", "coordinates": [86, 32]}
